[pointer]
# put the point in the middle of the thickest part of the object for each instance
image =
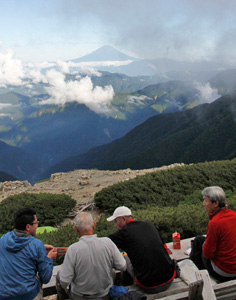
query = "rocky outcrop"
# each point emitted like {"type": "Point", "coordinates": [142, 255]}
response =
{"type": "Point", "coordinates": [81, 185]}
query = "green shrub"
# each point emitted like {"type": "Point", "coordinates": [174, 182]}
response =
{"type": "Point", "coordinates": [167, 188]}
{"type": "Point", "coordinates": [63, 237]}
{"type": "Point", "coordinates": [188, 218]}
{"type": "Point", "coordinates": [51, 209]}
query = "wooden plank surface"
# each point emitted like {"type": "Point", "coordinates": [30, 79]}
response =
{"type": "Point", "coordinates": [50, 287]}
{"type": "Point", "coordinates": [180, 296]}
{"type": "Point", "coordinates": [225, 290]}
{"type": "Point", "coordinates": [179, 254]}
{"type": "Point", "coordinates": [178, 286]}
{"type": "Point", "coordinates": [207, 292]}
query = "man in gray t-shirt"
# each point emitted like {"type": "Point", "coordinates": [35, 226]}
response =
{"type": "Point", "coordinates": [87, 267]}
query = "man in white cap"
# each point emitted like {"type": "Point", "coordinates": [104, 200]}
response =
{"type": "Point", "coordinates": [151, 266]}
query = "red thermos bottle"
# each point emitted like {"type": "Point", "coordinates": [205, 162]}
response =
{"type": "Point", "coordinates": [176, 240]}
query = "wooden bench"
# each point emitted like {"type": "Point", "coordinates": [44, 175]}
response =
{"type": "Point", "coordinates": [179, 290]}
{"type": "Point", "coordinates": [50, 287]}
{"type": "Point", "coordinates": [200, 288]}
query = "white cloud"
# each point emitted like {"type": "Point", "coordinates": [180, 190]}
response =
{"type": "Point", "coordinates": [108, 63]}
{"type": "Point", "coordinates": [41, 65]}
{"type": "Point", "coordinates": [89, 71]}
{"type": "Point", "coordinates": [6, 115]}
{"type": "Point", "coordinates": [84, 68]}
{"type": "Point", "coordinates": [63, 66]}
{"type": "Point", "coordinates": [11, 70]}
{"type": "Point", "coordinates": [14, 72]}
{"type": "Point", "coordinates": [138, 100]}
{"type": "Point", "coordinates": [3, 105]}
{"type": "Point", "coordinates": [35, 75]}
{"type": "Point", "coordinates": [82, 91]}
{"type": "Point", "coordinates": [207, 93]}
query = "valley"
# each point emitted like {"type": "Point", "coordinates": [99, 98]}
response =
{"type": "Point", "coordinates": [66, 117]}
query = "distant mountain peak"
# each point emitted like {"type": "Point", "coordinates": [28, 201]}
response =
{"type": "Point", "coordinates": [105, 53]}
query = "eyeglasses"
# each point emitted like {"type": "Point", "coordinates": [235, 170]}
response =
{"type": "Point", "coordinates": [37, 222]}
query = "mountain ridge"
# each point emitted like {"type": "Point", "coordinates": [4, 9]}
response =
{"type": "Point", "coordinates": [182, 137]}
{"type": "Point", "coordinates": [104, 53]}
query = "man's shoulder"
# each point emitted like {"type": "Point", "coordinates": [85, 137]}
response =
{"type": "Point", "coordinates": [231, 212]}
{"type": "Point", "coordinates": [139, 224]}
{"type": "Point", "coordinates": [222, 214]}
{"type": "Point", "coordinates": [106, 240]}
{"type": "Point", "coordinates": [74, 245]}
{"type": "Point", "coordinates": [36, 243]}
{"type": "Point", "coordinates": [222, 217]}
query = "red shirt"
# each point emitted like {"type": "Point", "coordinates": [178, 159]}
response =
{"type": "Point", "coordinates": [220, 243]}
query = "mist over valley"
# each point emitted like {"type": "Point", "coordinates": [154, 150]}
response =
{"type": "Point", "coordinates": [52, 117]}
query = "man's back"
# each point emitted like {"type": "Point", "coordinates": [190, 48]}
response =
{"type": "Point", "coordinates": [220, 244]}
{"type": "Point", "coordinates": [144, 246]}
{"type": "Point", "coordinates": [88, 265]}
{"type": "Point", "coordinates": [20, 260]}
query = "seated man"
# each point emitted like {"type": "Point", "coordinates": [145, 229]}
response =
{"type": "Point", "coordinates": [87, 267]}
{"type": "Point", "coordinates": [217, 252]}
{"type": "Point", "coordinates": [22, 257]}
{"type": "Point", "coordinates": [151, 265]}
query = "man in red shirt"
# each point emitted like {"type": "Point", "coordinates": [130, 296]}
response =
{"type": "Point", "coordinates": [218, 249]}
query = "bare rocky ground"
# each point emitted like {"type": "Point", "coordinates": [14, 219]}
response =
{"type": "Point", "coordinates": [81, 185]}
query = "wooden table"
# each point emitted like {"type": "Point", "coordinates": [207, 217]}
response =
{"type": "Point", "coordinates": [179, 254]}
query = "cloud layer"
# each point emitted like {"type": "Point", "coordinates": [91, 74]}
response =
{"type": "Point", "coordinates": [207, 93]}
{"type": "Point", "coordinates": [60, 90]}
{"type": "Point", "coordinates": [81, 91]}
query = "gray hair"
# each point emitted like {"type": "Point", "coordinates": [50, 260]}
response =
{"type": "Point", "coordinates": [84, 222]}
{"type": "Point", "coordinates": [215, 193]}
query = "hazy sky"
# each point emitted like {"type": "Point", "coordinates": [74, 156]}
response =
{"type": "Point", "coordinates": [44, 30]}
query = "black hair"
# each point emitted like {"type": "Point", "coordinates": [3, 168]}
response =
{"type": "Point", "coordinates": [23, 217]}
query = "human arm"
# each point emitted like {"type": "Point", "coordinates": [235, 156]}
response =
{"type": "Point", "coordinates": [211, 241]}
{"type": "Point", "coordinates": [52, 253]}
{"type": "Point", "coordinates": [118, 239]}
{"type": "Point", "coordinates": [44, 264]}
{"type": "Point", "coordinates": [67, 271]}
{"type": "Point", "coordinates": [48, 247]}
{"type": "Point", "coordinates": [119, 262]}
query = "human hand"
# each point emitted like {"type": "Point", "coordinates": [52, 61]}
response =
{"type": "Point", "coordinates": [48, 247]}
{"type": "Point", "coordinates": [61, 251]}
{"type": "Point", "coordinates": [52, 254]}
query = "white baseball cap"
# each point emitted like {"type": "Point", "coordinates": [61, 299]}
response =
{"type": "Point", "coordinates": [120, 212]}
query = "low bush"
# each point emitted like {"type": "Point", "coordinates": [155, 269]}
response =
{"type": "Point", "coordinates": [189, 217]}
{"type": "Point", "coordinates": [63, 237]}
{"type": "Point", "coordinates": [51, 209]}
{"type": "Point", "coordinates": [167, 188]}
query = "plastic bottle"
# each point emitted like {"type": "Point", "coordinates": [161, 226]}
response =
{"type": "Point", "coordinates": [176, 240]}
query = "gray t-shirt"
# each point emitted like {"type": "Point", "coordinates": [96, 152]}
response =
{"type": "Point", "coordinates": [88, 266]}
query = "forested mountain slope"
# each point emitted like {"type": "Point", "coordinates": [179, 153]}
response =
{"type": "Point", "coordinates": [204, 133]}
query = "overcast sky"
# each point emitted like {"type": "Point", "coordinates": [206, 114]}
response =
{"type": "Point", "coordinates": [44, 30]}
